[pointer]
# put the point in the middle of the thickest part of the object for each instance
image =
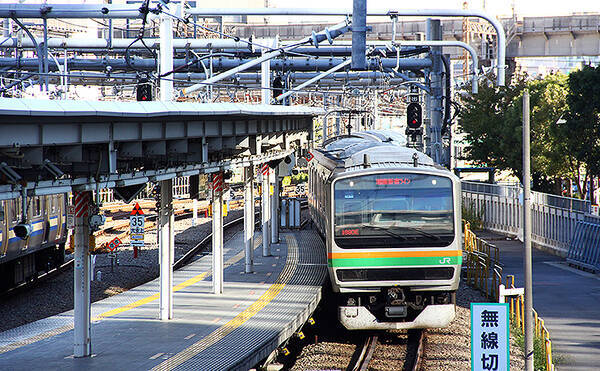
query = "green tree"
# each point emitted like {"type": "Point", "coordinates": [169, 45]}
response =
{"type": "Point", "coordinates": [581, 125]}
{"type": "Point", "coordinates": [492, 138]}
{"type": "Point", "coordinates": [492, 121]}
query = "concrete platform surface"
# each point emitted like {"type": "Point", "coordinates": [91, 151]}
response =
{"type": "Point", "coordinates": [566, 298]}
{"type": "Point", "coordinates": [235, 330]}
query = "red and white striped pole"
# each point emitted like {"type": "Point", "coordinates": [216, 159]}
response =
{"type": "Point", "coordinates": [217, 232]}
{"type": "Point", "coordinates": [82, 275]}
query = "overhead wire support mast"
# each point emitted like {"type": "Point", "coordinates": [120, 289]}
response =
{"type": "Point", "coordinates": [315, 39]}
{"type": "Point", "coordinates": [467, 47]}
{"type": "Point", "coordinates": [501, 53]}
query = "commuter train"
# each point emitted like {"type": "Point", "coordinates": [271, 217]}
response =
{"type": "Point", "coordinates": [391, 221]}
{"type": "Point", "coordinates": [44, 247]}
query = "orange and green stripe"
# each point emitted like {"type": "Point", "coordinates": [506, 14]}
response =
{"type": "Point", "coordinates": [394, 258]}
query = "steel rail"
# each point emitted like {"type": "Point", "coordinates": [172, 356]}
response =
{"type": "Point", "coordinates": [417, 336]}
{"type": "Point", "coordinates": [363, 358]}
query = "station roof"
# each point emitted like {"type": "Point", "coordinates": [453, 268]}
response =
{"type": "Point", "coordinates": [37, 107]}
{"type": "Point", "coordinates": [53, 146]}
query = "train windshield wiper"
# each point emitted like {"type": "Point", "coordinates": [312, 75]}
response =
{"type": "Point", "coordinates": [384, 229]}
{"type": "Point", "coordinates": [421, 232]}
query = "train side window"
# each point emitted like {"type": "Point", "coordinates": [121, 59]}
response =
{"type": "Point", "coordinates": [37, 206]}
{"type": "Point", "coordinates": [15, 205]}
{"type": "Point", "coordinates": [1, 212]}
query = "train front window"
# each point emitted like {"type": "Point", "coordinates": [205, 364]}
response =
{"type": "Point", "coordinates": [393, 210]}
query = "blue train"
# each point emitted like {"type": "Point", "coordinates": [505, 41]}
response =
{"type": "Point", "coordinates": [43, 248]}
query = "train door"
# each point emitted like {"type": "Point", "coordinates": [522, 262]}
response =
{"type": "Point", "coordinates": [59, 203]}
{"type": "Point", "coordinates": [49, 216]}
{"type": "Point", "coordinates": [3, 228]}
{"type": "Point", "coordinates": [16, 244]}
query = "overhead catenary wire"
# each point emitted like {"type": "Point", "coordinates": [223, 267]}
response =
{"type": "Point", "coordinates": [144, 9]}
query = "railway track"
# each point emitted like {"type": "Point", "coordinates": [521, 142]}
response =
{"type": "Point", "coordinates": [178, 264]}
{"type": "Point", "coordinates": [67, 265]}
{"type": "Point", "coordinates": [366, 353]}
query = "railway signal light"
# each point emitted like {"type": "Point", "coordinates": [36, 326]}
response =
{"type": "Point", "coordinates": [144, 91]}
{"type": "Point", "coordinates": [277, 87]}
{"type": "Point", "coordinates": [414, 115]}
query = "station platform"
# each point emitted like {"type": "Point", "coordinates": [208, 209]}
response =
{"type": "Point", "coordinates": [234, 330]}
{"type": "Point", "coordinates": [566, 298]}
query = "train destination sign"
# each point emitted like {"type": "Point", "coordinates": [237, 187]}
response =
{"type": "Point", "coordinates": [489, 337]}
{"type": "Point", "coordinates": [386, 181]}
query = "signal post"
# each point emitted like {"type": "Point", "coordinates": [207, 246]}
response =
{"type": "Point", "coordinates": [414, 119]}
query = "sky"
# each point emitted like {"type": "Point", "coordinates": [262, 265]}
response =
{"type": "Point", "coordinates": [495, 7]}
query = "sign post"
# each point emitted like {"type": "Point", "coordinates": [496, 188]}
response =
{"type": "Point", "coordinates": [112, 247]}
{"type": "Point", "coordinates": [71, 216]}
{"type": "Point", "coordinates": [136, 225]}
{"type": "Point", "coordinates": [490, 337]}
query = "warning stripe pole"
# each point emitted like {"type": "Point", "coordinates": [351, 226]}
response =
{"type": "Point", "coordinates": [217, 233]}
{"type": "Point", "coordinates": [82, 276]}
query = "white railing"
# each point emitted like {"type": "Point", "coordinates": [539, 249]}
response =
{"type": "Point", "coordinates": [553, 217]}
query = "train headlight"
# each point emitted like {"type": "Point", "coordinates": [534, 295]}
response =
{"type": "Point", "coordinates": [23, 230]}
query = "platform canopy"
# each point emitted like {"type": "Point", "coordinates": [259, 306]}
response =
{"type": "Point", "coordinates": [53, 144]}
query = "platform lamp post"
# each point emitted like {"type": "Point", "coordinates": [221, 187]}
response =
{"type": "Point", "coordinates": [527, 235]}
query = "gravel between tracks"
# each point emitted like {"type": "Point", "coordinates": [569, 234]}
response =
{"type": "Point", "coordinates": [445, 349]}
{"type": "Point", "coordinates": [450, 348]}
{"type": "Point", "coordinates": [56, 294]}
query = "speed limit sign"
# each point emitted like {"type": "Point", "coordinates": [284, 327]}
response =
{"type": "Point", "coordinates": [301, 188]}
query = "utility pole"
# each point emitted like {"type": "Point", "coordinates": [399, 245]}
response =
{"type": "Point", "coordinates": [527, 235]}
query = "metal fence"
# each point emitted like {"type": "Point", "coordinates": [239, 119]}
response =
{"type": "Point", "coordinates": [554, 218]}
